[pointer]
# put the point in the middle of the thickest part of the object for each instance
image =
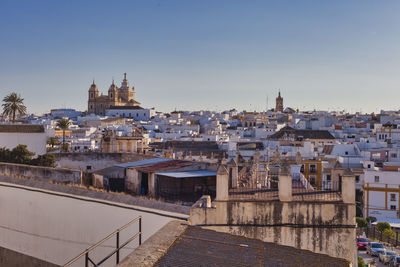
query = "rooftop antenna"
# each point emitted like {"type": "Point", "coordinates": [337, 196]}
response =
{"type": "Point", "coordinates": [266, 105]}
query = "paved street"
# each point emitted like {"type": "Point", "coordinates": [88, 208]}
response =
{"type": "Point", "coordinates": [367, 258]}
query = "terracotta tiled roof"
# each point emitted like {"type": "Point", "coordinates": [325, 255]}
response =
{"type": "Point", "coordinates": [201, 247]}
{"type": "Point", "coordinates": [305, 134]}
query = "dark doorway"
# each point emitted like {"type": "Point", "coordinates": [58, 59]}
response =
{"type": "Point", "coordinates": [116, 184]}
{"type": "Point", "coordinates": [144, 184]}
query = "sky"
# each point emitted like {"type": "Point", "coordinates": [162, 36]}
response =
{"type": "Point", "coordinates": [193, 55]}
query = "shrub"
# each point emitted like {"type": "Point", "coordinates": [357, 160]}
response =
{"type": "Point", "coordinates": [382, 226]}
{"type": "Point", "coordinates": [370, 219]}
{"type": "Point", "coordinates": [361, 262]}
{"type": "Point", "coordinates": [361, 222]}
{"type": "Point", "coordinates": [387, 233]}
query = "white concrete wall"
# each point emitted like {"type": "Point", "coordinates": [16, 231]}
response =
{"type": "Point", "coordinates": [376, 199]}
{"type": "Point", "coordinates": [35, 142]}
{"type": "Point", "coordinates": [58, 228]}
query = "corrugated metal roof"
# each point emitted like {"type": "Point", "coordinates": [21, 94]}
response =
{"type": "Point", "coordinates": [188, 174]}
{"type": "Point", "coordinates": [165, 166]}
{"type": "Point", "coordinates": [142, 162]}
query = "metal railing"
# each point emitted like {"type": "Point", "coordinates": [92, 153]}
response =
{"type": "Point", "coordinates": [328, 191]}
{"type": "Point", "coordinates": [115, 251]}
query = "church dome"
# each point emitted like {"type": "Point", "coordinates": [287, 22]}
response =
{"type": "Point", "coordinates": [113, 87]}
{"type": "Point", "coordinates": [93, 87]}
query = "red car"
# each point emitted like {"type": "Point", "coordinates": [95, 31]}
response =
{"type": "Point", "coordinates": [362, 242]}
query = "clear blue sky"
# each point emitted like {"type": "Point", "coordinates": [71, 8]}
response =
{"type": "Point", "coordinates": [204, 54]}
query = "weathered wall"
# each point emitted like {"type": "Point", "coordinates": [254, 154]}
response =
{"type": "Point", "coordinates": [10, 258]}
{"type": "Point", "coordinates": [327, 228]}
{"type": "Point", "coordinates": [40, 173]}
{"type": "Point", "coordinates": [133, 180]}
{"type": "Point", "coordinates": [95, 160]}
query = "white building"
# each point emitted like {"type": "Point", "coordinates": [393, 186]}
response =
{"type": "Point", "coordinates": [135, 112]}
{"type": "Point", "coordinates": [381, 193]}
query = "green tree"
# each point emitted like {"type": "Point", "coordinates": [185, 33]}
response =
{"type": "Point", "coordinates": [46, 160]}
{"type": "Point", "coordinates": [361, 222]}
{"type": "Point", "coordinates": [370, 219]}
{"type": "Point", "coordinates": [13, 104]}
{"type": "Point", "coordinates": [5, 154]}
{"type": "Point", "coordinates": [53, 141]}
{"type": "Point", "coordinates": [361, 262]}
{"type": "Point", "coordinates": [388, 233]}
{"type": "Point", "coordinates": [382, 226]}
{"type": "Point", "coordinates": [20, 154]}
{"type": "Point", "coordinates": [63, 124]}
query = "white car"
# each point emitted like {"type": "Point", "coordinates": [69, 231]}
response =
{"type": "Point", "coordinates": [387, 256]}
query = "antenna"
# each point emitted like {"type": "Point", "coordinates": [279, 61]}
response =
{"type": "Point", "coordinates": [266, 105]}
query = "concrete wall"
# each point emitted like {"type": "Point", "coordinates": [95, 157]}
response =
{"type": "Point", "coordinates": [10, 258]}
{"type": "Point", "coordinates": [35, 142]}
{"type": "Point", "coordinates": [95, 160]}
{"type": "Point", "coordinates": [327, 228]}
{"type": "Point", "coordinates": [40, 173]}
{"type": "Point", "coordinates": [55, 227]}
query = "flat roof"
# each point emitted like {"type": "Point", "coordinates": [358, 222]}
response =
{"type": "Point", "coordinates": [21, 128]}
{"type": "Point", "coordinates": [188, 174]}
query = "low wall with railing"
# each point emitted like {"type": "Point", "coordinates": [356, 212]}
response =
{"type": "Point", "coordinates": [55, 227]}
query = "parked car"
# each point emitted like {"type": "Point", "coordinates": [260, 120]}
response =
{"type": "Point", "coordinates": [387, 256]}
{"type": "Point", "coordinates": [395, 262]}
{"type": "Point", "coordinates": [362, 242]}
{"type": "Point", "coordinates": [375, 248]}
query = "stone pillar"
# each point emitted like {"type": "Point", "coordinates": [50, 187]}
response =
{"type": "Point", "coordinates": [222, 183]}
{"type": "Point", "coordinates": [235, 175]}
{"type": "Point", "coordinates": [348, 187]}
{"type": "Point", "coordinates": [285, 183]}
{"type": "Point", "coordinates": [152, 185]}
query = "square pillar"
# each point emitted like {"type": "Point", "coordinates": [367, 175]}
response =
{"type": "Point", "coordinates": [285, 183]}
{"type": "Point", "coordinates": [222, 183]}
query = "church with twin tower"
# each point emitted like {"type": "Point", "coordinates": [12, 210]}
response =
{"type": "Point", "coordinates": [123, 96]}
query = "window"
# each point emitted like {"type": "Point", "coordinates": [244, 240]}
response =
{"type": "Point", "coordinates": [346, 153]}
{"type": "Point", "coordinates": [313, 169]}
{"type": "Point", "coordinates": [357, 178]}
{"type": "Point", "coordinates": [88, 167]}
{"type": "Point", "coordinates": [328, 177]}
{"type": "Point", "coordinates": [392, 197]}
{"type": "Point", "coordinates": [312, 180]}
{"type": "Point", "coordinates": [393, 155]}
{"type": "Point", "coordinates": [376, 179]}
{"type": "Point", "coordinates": [302, 169]}
{"type": "Point", "coordinates": [111, 95]}
{"type": "Point", "coordinates": [369, 166]}
{"type": "Point", "coordinates": [393, 207]}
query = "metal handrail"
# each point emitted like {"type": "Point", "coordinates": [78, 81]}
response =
{"type": "Point", "coordinates": [118, 247]}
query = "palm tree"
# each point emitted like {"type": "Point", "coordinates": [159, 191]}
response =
{"type": "Point", "coordinates": [13, 104]}
{"type": "Point", "coordinates": [63, 124]}
{"type": "Point", "coordinates": [52, 141]}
